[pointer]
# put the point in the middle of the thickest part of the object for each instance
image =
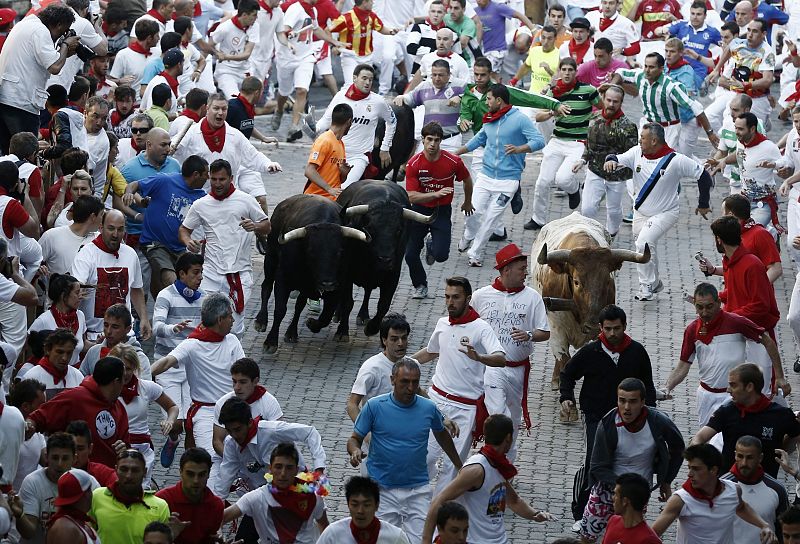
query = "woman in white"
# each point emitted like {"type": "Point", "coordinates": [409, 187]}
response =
{"type": "Point", "coordinates": [65, 293]}
{"type": "Point", "coordinates": [136, 396]}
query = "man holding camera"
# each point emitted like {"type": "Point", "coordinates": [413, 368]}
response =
{"type": "Point", "coordinates": [91, 43]}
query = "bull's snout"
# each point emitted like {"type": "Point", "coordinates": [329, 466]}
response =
{"type": "Point", "coordinates": [590, 328]}
{"type": "Point", "coordinates": [327, 286]}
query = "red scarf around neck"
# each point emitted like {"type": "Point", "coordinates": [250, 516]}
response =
{"type": "Point", "coordinates": [578, 51]}
{"type": "Point", "coordinates": [490, 117]}
{"type": "Point", "coordinates": [758, 406]}
{"type": "Point", "coordinates": [252, 430]}
{"type": "Point", "coordinates": [499, 461]}
{"type": "Point", "coordinates": [117, 118]}
{"type": "Point", "coordinates": [605, 22]}
{"type": "Point", "coordinates": [238, 24]}
{"type": "Point", "coordinates": [354, 93]}
{"type": "Point", "coordinates": [231, 189]}
{"type": "Point", "coordinates": [194, 116]}
{"type": "Point", "coordinates": [127, 501]}
{"type": "Point", "coordinates": [433, 26]}
{"type": "Point", "coordinates": [562, 88]}
{"type": "Point", "coordinates": [130, 390]}
{"type": "Point", "coordinates": [611, 118]}
{"type": "Point", "coordinates": [500, 287]}
{"type": "Point", "coordinates": [171, 81]}
{"type": "Point", "coordinates": [74, 106]}
{"type": "Point", "coordinates": [681, 62]}
{"type": "Point", "coordinates": [447, 55]}
{"type": "Point", "coordinates": [367, 535]}
{"type": "Point", "coordinates": [701, 495]}
{"type": "Point", "coordinates": [265, 7]}
{"type": "Point", "coordinates": [249, 108]}
{"type": "Point", "coordinates": [705, 331]}
{"type": "Point", "coordinates": [79, 517]}
{"type": "Point", "coordinates": [214, 137]}
{"type": "Point", "coordinates": [198, 10]}
{"type": "Point", "coordinates": [257, 393]}
{"type": "Point", "coordinates": [99, 242]}
{"type": "Point", "coordinates": [58, 375]}
{"type": "Point", "coordinates": [660, 152]}
{"type": "Point", "coordinates": [205, 334]}
{"type": "Point", "coordinates": [755, 140]}
{"type": "Point", "coordinates": [134, 145]}
{"type": "Point", "coordinates": [362, 15]}
{"type": "Point", "coordinates": [470, 316]}
{"type": "Point", "coordinates": [139, 48]}
{"type": "Point", "coordinates": [626, 342]}
{"type": "Point", "coordinates": [752, 480]}
{"type": "Point", "coordinates": [157, 16]}
{"type": "Point", "coordinates": [299, 505]}
{"type": "Point", "coordinates": [637, 424]}
{"type": "Point", "coordinates": [65, 320]}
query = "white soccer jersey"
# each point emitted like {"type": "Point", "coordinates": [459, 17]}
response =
{"type": "Point", "coordinates": [208, 366]}
{"type": "Point", "coordinates": [267, 407]}
{"type": "Point", "coordinates": [622, 32]}
{"type": "Point", "coordinates": [232, 40]}
{"type": "Point", "coordinates": [339, 532]}
{"type": "Point", "coordinates": [458, 66]}
{"type": "Point", "coordinates": [301, 33]}
{"type": "Point", "coordinates": [366, 112]}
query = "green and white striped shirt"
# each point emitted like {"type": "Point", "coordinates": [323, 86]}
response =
{"type": "Point", "coordinates": [662, 100]}
{"type": "Point", "coordinates": [575, 125]}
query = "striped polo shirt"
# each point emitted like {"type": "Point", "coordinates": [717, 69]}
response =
{"type": "Point", "coordinates": [662, 99]}
{"type": "Point", "coordinates": [436, 104]}
{"type": "Point", "coordinates": [575, 126]}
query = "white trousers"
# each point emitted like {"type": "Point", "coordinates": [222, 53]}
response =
{"type": "Point", "coordinates": [406, 508]}
{"type": "Point", "coordinates": [203, 429]}
{"type": "Point", "coordinates": [149, 458]}
{"type": "Point", "coordinates": [489, 207]}
{"type": "Point", "coordinates": [349, 63]}
{"type": "Point", "coordinates": [793, 226]}
{"type": "Point", "coordinates": [757, 354]}
{"type": "Point", "coordinates": [251, 182]}
{"type": "Point", "coordinates": [229, 82]}
{"type": "Point", "coordinates": [389, 52]}
{"type": "Point", "coordinates": [718, 109]}
{"type": "Point", "coordinates": [359, 163]}
{"type": "Point", "coordinates": [558, 158]}
{"type": "Point", "coordinates": [687, 141]}
{"type": "Point", "coordinates": [707, 403]}
{"type": "Point", "coordinates": [594, 189]}
{"type": "Point", "coordinates": [177, 388]}
{"type": "Point", "coordinates": [504, 388]}
{"type": "Point", "coordinates": [649, 230]}
{"type": "Point", "coordinates": [464, 416]}
{"type": "Point", "coordinates": [761, 108]}
{"type": "Point", "coordinates": [214, 283]}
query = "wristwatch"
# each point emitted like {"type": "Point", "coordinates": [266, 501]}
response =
{"type": "Point", "coordinates": [530, 335]}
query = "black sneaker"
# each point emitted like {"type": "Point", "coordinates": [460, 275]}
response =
{"type": "Point", "coordinates": [497, 238]}
{"type": "Point", "coordinates": [797, 364]}
{"type": "Point", "coordinates": [295, 133]}
{"type": "Point", "coordinates": [532, 225]}
{"type": "Point", "coordinates": [574, 199]}
{"type": "Point", "coordinates": [516, 202]}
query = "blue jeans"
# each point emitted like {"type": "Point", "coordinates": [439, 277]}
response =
{"type": "Point", "coordinates": [440, 235]}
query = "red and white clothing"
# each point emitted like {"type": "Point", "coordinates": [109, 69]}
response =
{"type": "Point", "coordinates": [97, 145]}
{"type": "Point", "coordinates": [130, 62]}
{"type": "Point", "coordinates": [355, 29]}
{"type": "Point", "coordinates": [580, 53]}
{"type": "Point", "coordinates": [86, 31]}
{"type": "Point", "coordinates": [757, 182]}
{"type": "Point", "coordinates": [152, 15]}
{"type": "Point", "coordinates": [232, 38]}
{"type": "Point", "coordinates": [344, 531]}
{"type": "Point", "coordinates": [54, 381]}
{"type": "Point", "coordinates": [459, 69]}
{"type": "Point", "coordinates": [137, 396]}
{"type": "Point", "coordinates": [147, 96]}
{"type": "Point", "coordinates": [765, 495]}
{"type": "Point", "coordinates": [205, 516]}
{"type": "Point", "coordinates": [276, 523]}
{"type": "Point", "coordinates": [46, 321]}
{"type": "Point", "coordinates": [424, 176]}
{"type": "Point", "coordinates": [699, 523]}
{"type": "Point", "coordinates": [228, 266]}
{"type": "Point", "coordinates": [113, 274]}
{"type": "Point", "coordinates": [486, 505]}
{"type": "Point", "coordinates": [262, 403]}
{"type": "Point", "coordinates": [269, 21]}
{"type": "Point", "coordinates": [655, 14]}
{"type": "Point", "coordinates": [792, 158]}
{"type": "Point", "coordinates": [295, 69]}
{"type": "Point", "coordinates": [620, 30]}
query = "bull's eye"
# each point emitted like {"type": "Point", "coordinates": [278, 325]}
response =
{"type": "Point", "coordinates": [576, 283]}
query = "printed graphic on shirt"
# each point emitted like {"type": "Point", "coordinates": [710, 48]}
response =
{"type": "Point", "coordinates": [503, 322]}
{"type": "Point", "coordinates": [105, 424]}
{"type": "Point", "coordinates": [112, 288]}
{"type": "Point", "coordinates": [179, 207]}
{"type": "Point", "coordinates": [497, 501]}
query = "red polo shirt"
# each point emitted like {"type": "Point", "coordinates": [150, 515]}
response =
{"type": "Point", "coordinates": [206, 516]}
{"type": "Point", "coordinates": [758, 241]}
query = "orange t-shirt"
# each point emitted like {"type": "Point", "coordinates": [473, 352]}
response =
{"type": "Point", "coordinates": [327, 154]}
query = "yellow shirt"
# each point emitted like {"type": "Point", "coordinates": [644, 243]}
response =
{"type": "Point", "coordinates": [355, 28]}
{"type": "Point", "coordinates": [115, 182]}
{"type": "Point", "coordinates": [539, 76]}
{"type": "Point", "coordinates": [119, 524]}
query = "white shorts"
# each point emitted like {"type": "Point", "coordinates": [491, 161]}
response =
{"type": "Point", "coordinates": [176, 387]}
{"type": "Point", "coordinates": [214, 283]}
{"type": "Point", "coordinates": [322, 66]}
{"type": "Point", "coordinates": [496, 58]}
{"type": "Point", "coordinates": [203, 428]}
{"type": "Point", "coordinates": [294, 74]}
{"type": "Point", "coordinates": [406, 508]}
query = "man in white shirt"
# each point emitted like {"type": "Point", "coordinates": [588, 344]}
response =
{"type": "Point", "coordinates": [269, 19]}
{"type": "Point", "coordinates": [12, 429]}
{"type": "Point", "coordinates": [445, 38]}
{"type": "Point", "coordinates": [90, 36]}
{"type": "Point", "coordinates": [465, 345]}
{"type": "Point", "coordinates": [229, 219]}
{"type": "Point", "coordinates": [235, 40]}
{"type": "Point", "coordinates": [95, 114]}
{"type": "Point", "coordinates": [61, 244]}
{"type": "Point", "coordinates": [609, 23]}
{"type": "Point", "coordinates": [160, 12]}
{"type": "Point", "coordinates": [129, 63]}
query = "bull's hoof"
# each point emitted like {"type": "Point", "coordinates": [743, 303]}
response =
{"type": "Point", "coordinates": [313, 325]}
{"type": "Point", "coordinates": [341, 337]}
{"type": "Point", "coordinates": [290, 338]}
{"type": "Point", "coordinates": [260, 326]}
{"type": "Point", "coordinates": [372, 328]}
{"type": "Point", "coordinates": [555, 384]}
{"type": "Point", "coordinates": [270, 349]}
{"type": "Point", "coordinates": [361, 320]}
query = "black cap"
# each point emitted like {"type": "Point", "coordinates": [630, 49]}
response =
{"type": "Point", "coordinates": [580, 22]}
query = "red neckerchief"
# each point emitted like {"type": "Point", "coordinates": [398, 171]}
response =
{"type": "Point", "coordinates": [354, 93]}
{"type": "Point", "coordinates": [447, 55]}
{"type": "Point", "coordinates": [171, 81]}
{"type": "Point", "coordinates": [257, 393]}
{"type": "Point", "coordinates": [759, 406]}
{"type": "Point", "coordinates": [637, 424]}
{"type": "Point", "coordinates": [300, 505]}
{"type": "Point", "coordinates": [231, 189]}
{"type": "Point", "coordinates": [701, 495]}
{"type": "Point", "coordinates": [500, 287]}
{"type": "Point", "coordinates": [204, 334]}
{"type": "Point", "coordinates": [433, 26]}
{"type": "Point", "coordinates": [265, 7]}
{"type": "Point", "coordinates": [99, 242]}
{"type": "Point", "coordinates": [198, 10]}
{"type": "Point", "coordinates": [134, 145]}
{"type": "Point", "coordinates": [117, 118]}
{"type": "Point", "coordinates": [104, 351]}
{"type": "Point", "coordinates": [605, 22]}
{"type": "Point", "coordinates": [184, 43]}
{"type": "Point", "coordinates": [252, 430]}
{"type": "Point", "coordinates": [499, 461]}
{"type": "Point", "coordinates": [238, 24]}
{"type": "Point", "coordinates": [470, 316]}
{"type": "Point", "coordinates": [562, 88]}
{"type": "Point", "coordinates": [194, 116]}
{"type": "Point", "coordinates": [681, 62]}
{"type": "Point", "coordinates": [157, 16]}
{"type": "Point", "coordinates": [660, 152]}
{"type": "Point", "coordinates": [131, 390]}
{"type": "Point", "coordinates": [128, 502]}
{"type": "Point", "coordinates": [362, 15]}
{"type": "Point", "coordinates": [367, 535]}
{"type": "Point", "coordinates": [74, 106]}
{"type": "Point", "coordinates": [58, 375]}
{"type": "Point", "coordinates": [490, 117]}
{"type": "Point", "coordinates": [249, 108]}
{"type": "Point", "coordinates": [104, 26]}
{"type": "Point", "coordinates": [757, 477]}
{"type": "Point", "coordinates": [755, 140]}
{"type": "Point", "coordinates": [101, 80]}
{"type": "Point", "coordinates": [578, 51]}
{"type": "Point", "coordinates": [65, 320]}
{"type": "Point", "coordinates": [214, 138]}
{"type": "Point", "coordinates": [626, 341]}
{"type": "Point", "coordinates": [705, 331]}
{"type": "Point", "coordinates": [614, 117]}
{"type": "Point", "coordinates": [139, 48]}
{"type": "Point", "coordinates": [79, 517]}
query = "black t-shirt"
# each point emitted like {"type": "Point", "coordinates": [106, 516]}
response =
{"type": "Point", "coordinates": [238, 119]}
{"type": "Point", "coordinates": [771, 426]}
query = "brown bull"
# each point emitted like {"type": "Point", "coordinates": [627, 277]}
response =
{"type": "Point", "coordinates": [576, 280]}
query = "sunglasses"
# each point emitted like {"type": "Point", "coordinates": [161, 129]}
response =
{"type": "Point", "coordinates": [132, 454]}
{"type": "Point", "coordinates": [143, 130]}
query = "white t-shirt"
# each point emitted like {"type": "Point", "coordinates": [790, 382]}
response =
{"type": "Point", "coordinates": [29, 454]}
{"type": "Point", "coordinates": [71, 380]}
{"type": "Point", "coordinates": [301, 33]}
{"type": "Point", "coordinates": [208, 366]}
{"type": "Point", "coordinates": [7, 289]}
{"type": "Point", "coordinates": [38, 494]}
{"type": "Point", "coordinates": [12, 429]}
{"type": "Point", "coordinates": [622, 32]}
{"type": "Point", "coordinates": [748, 159]}
{"type": "Point", "coordinates": [129, 63]}
{"type": "Point", "coordinates": [229, 247]}
{"type": "Point", "coordinates": [366, 114]}
{"type": "Point", "coordinates": [97, 145]}
{"type": "Point", "coordinates": [46, 322]}
{"type": "Point", "coordinates": [339, 532]}
{"type": "Point", "coordinates": [27, 54]}
{"type": "Point", "coordinates": [267, 407]}
{"type": "Point", "coordinates": [86, 31]}
{"type": "Point", "coordinates": [259, 504]}
{"type": "Point", "coordinates": [374, 377]}
{"type": "Point", "coordinates": [113, 277]}
{"type": "Point", "coordinates": [698, 523]}
{"type": "Point", "coordinates": [137, 409]}
{"type": "Point", "coordinates": [147, 97]}
{"type": "Point", "coordinates": [59, 247]}
{"type": "Point", "coordinates": [457, 374]}
{"type": "Point", "coordinates": [267, 25]}
{"type": "Point", "coordinates": [458, 66]}
{"type": "Point", "coordinates": [232, 40]}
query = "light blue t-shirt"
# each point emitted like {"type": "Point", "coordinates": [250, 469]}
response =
{"type": "Point", "coordinates": [152, 69]}
{"type": "Point", "coordinates": [399, 446]}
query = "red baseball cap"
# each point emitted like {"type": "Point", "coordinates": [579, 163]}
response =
{"type": "Point", "coordinates": [507, 255]}
{"type": "Point", "coordinates": [72, 485]}
{"type": "Point", "coordinates": [7, 15]}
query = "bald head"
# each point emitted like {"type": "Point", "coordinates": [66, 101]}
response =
{"type": "Point", "coordinates": [444, 40]}
{"type": "Point", "coordinates": [744, 13]}
{"type": "Point", "coordinates": [157, 146]}
{"type": "Point", "coordinates": [113, 229]}
{"type": "Point", "coordinates": [184, 8]}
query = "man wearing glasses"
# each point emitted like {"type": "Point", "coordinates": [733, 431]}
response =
{"type": "Point", "coordinates": [130, 147]}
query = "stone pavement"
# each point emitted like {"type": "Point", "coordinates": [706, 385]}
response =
{"type": "Point", "coordinates": [312, 378]}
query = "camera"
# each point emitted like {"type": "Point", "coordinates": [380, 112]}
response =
{"type": "Point", "coordinates": [84, 53]}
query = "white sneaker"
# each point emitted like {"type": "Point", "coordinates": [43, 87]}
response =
{"type": "Point", "coordinates": [645, 293]}
{"type": "Point", "coordinates": [576, 527]}
{"type": "Point", "coordinates": [464, 244]}
{"type": "Point", "coordinates": [420, 292]}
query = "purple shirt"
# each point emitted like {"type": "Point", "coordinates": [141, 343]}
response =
{"type": "Point", "coordinates": [590, 73]}
{"type": "Point", "coordinates": [493, 17]}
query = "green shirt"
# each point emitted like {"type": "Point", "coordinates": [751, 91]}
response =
{"type": "Point", "coordinates": [466, 27]}
{"type": "Point", "coordinates": [119, 524]}
{"type": "Point", "coordinates": [473, 107]}
{"type": "Point", "coordinates": [159, 117]}
{"type": "Point", "coordinates": [575, 125]}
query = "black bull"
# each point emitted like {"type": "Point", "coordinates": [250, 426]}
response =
{"type": "Point", "coordinates": [402, 145]}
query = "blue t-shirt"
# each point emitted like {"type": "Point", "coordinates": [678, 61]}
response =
{"type": "Point", "coordinates": [771, 14]}
{"type": "Point", "coordinates": [153, 67]}
{"type": "Point", "coordinates": [698, 41]}
{"type": "Point", "coordinates": [493, 17]}
{"type": "Point", "coordinates": [170, 200]}
{"type": "Point", "coordinates": [138, 169]}
{"type": "Point", "coordinates": [399, 448]}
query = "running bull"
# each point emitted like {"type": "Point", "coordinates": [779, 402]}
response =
{"type": "Point", "coordinates": [574, 273]}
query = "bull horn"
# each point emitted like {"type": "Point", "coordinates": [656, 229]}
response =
{"type": "Point", "coordinates": [554, 257]}
{"type": "Point", "coordinates": [553, 304]}
{"type": "Point", "coordinates": [418, 217]}
{"type": "Point", "coordinates": [360, 209]}
{"type": "Point", "coordinates": [349, 232]}
{"type": "Point", "coordinates": [632, 256]}
{"type": "Point", "coordinates": [294, 234]}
